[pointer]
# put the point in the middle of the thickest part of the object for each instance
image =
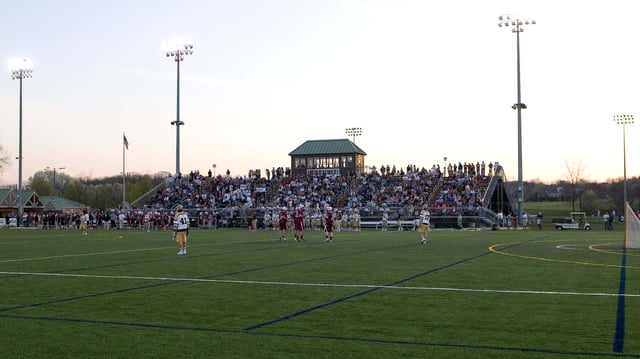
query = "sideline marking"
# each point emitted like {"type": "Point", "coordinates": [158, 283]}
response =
{"type": "Point", "coordinates": [497, 251]}
{"type": "Point", "coordinates": [329, 285]}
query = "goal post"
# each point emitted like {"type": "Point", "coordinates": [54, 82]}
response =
{"type": "Point", "coordinates": [632, 228]}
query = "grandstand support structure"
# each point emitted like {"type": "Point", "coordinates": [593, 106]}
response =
{"type": "Point", "coordinates": [497, 197]}
{"type": "Point", "coordinates": [145, 196]}
{"type": "Point", "coordinates": [434, 193]}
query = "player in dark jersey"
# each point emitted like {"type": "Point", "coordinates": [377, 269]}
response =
{"type": "Point", "coordinates": [282, 224]}
{"type": "Point", "coordinates": [298, 224]}
{"type": "Point", "coordinates": [328, 225]}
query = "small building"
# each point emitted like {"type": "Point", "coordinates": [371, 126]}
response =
{"type": "Point", "coordinates": [62, 205]}
{"type": "Point", "coordinates": [327, 157]}
{"type": "Point", "coordinates": [9, 200]}
{"type": "Point", "coordinates": [33, 203]}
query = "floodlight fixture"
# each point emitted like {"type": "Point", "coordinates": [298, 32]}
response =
{"type": "Point", "coordinates": [178, 47]}
{"type": "Point", "coordinates": [20, 68]}
{"type": "Point", "coordinates": [353, 132]}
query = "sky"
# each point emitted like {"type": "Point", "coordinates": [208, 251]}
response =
{"type": "Point", "coordinates": [424, 80]}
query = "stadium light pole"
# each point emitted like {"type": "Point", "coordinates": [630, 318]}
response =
{"type": "Point", "coordinates": [20, 68]}
{"type": "Point", "coordinates": [178, 48]}
{"type": "Point", "coordinates": [353, 132]}
{"type": "Point", "coordinates": [517, 26]}
{"type": "Point", "coordinates": [624, 120]}
{"type": "Point", "coordinates": [54, 176]}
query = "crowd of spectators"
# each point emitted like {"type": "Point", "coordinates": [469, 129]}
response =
{"type": "Point", "coordinates": [462, 185]}
{"type": "Point", "coordinates": [213, 200]}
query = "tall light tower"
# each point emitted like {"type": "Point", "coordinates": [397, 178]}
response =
{"type": "Point", "coordinates": [624, 120]}
{"type": "Point", "coordinates": [353, 132]}
{"type": "Point", "coordinates": [517, 26]}
{"type": "Point", "coordinates": [178, 48]}
{"type": "Point", "coordinates": [20, 68]}
{"type": "Point", "coordinates": [54, 176]}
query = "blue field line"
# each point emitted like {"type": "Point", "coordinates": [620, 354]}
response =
{"type": "Point", "coordinates": [618, 339]}
{"type": "Point", "coordinates": [554, 353]}
{"type": "Point", "coordinates": [220, 275]}
{"type": "Point", "coordinates": [368, 291]}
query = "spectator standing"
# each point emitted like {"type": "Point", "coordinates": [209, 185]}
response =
{"type": "Point", "coordinates": [539, 220]}
{"type": "Point", "coordinates": [611, 219]}
{"type": "Point", "coordinates": [254, 221]}
{"type": "Point", "coordinates": [605, 218]}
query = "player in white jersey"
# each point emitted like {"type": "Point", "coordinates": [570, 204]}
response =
{"type": "Point", "coordinates": [354, 220]}
{"type": "Point", "coordinates": [425, 224]}
{"type": "Point", "coordinates": [84, 221]}
{"type": "Point", "coordinates": [385, 220]}
{"type": "Point", "coordinates": [181, 229]}
{"type": "Point", "coordinates": [275, 218]}
{"type": "Point", "coordinates": [344, 223]}
{"type": "Point", "coordinates": [147, 221]}
{"type": "Point", "coordinates": [266, 219]}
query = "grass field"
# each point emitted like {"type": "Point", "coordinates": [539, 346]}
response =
{"type": "Point", "coordinates": [370, 294]}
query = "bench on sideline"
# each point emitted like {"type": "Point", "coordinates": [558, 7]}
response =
{"type": "Point", "coordinates": [390, 224]}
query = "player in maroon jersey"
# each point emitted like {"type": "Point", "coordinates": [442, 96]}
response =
{"type": "Point", "coordinates": [282, 224]}
{"type": "Point", "coordinates": [298, 224]}
{"type": "Point", "coordinates": [328, 225]}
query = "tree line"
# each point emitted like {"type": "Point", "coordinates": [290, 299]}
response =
{"type": "Point", "coordinates": [100, 193]}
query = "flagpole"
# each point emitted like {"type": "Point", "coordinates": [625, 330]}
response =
{"type": "Point", "coordinates": [123, 171]}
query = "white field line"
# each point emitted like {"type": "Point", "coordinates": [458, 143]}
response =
{"type": "Point", "coordinates": [104, 253]}
{"type": "Point", "coordinates": [329, 285]}
{"type": "Point", "coordinates": [80, 255]}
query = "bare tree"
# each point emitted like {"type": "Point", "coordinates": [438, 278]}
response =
{"type": "Point", "coordinates": [575, 177]}
{"type": "Point", "coordinates": [4, 159]}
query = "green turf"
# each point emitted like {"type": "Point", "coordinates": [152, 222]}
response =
{"type": "Point", "coordinates": [242, 294]}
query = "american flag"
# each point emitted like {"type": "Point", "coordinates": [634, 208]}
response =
{"type": "Point", "coordinates": [126, 143]}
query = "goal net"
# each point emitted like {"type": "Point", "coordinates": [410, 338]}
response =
{"type": "Point", "coordinates": [632, 230]}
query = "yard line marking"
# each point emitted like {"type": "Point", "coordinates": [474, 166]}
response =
{"type": "Point", "coordinates": [569, 246]}
{"type": "Point", "coordinates": [110, 252]}
{"type": "Point", "coordinates": [81, 254]}
{"type": "Point", "coordinates": [328, 285]}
